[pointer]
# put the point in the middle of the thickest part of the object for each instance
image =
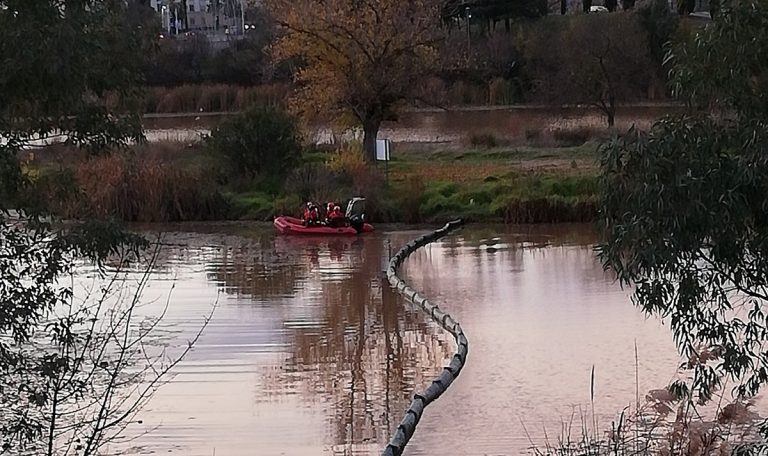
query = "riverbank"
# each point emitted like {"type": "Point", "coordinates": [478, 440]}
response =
{"type": "Point", "coordinates": [175, 181]}
{"type": "Point", "coordinates": [460, 126]}
{"type": "Point", "coordinates": [671, 105]}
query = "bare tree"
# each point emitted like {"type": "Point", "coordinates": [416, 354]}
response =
{"type": "Point", "coordinates": [76, 369]}
{"type": "Point", "coordinates": [599, 60]}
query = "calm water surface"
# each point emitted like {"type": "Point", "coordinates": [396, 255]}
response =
{"type": "Point", "coordinates": [309, 353]}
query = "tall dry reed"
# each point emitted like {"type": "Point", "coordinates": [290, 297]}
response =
{"type": "Point", "coordinates": [212, 98]}
{"type": "Point", "coordinates": [146, 190]}
{"type": "Point", "coordinates": [670, 421]}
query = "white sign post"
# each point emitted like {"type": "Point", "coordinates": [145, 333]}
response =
{"type": "Point", "coordinates": [382, 154]}
{"type": "Point", "coordinates": [382, 149]}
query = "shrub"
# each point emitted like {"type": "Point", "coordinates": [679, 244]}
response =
{"type": "Point", "coordinates": [442, 188]}
{"type": "Point", "coordinates": [269, 94]}
{"type": "Point", "coordinates": [313, 182]}
{"type": "Point", "coordinates": [354, 172]}
{"type": "Point", "coordinates": [212, 98]}
{"type": "Point", "coordinates": [574, 136]}
{"type": "Point", "coordinates": [261, 142]}
{"type": "Point", "coordinates": [348, 158]}
{"type": "Point", "coordinates": [484, 140]}
{"type": "Point", "coordinates": [251, 206]}
{"type": "Point", "coordinates": [550, 209]}
{"type": "Point", "coordinates": [216, 98]}
{"type": "Point", "coordinates": [440, 197]}
{"type": "Point", "coordinates": [411, 199]}
{"type": "Point", "coordinates": [463, 93]}
{"type": "Point", "coordinates": [179, 99]}
{"type": "Point", "coordinates": [289, 204]}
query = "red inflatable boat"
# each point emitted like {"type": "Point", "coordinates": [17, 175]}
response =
{"type": "Point", "coordinates": [291, 225]}
{"type": "Point", "coordinates": [354, 219]}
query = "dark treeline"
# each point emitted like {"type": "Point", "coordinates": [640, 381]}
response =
{"type": "Point", "coordinates": [483, 64]}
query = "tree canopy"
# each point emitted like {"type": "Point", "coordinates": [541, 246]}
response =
{"type": "Point", "coordinates": [598, 59]}
{"type": "Point", "coordinates": [360, 57]}
{"type": "Point", "coordinates": [72, 373]}
{"type": "Point", "coordinates": [685, 210]}
{"type": "Point", "coordinates": [69, 68]}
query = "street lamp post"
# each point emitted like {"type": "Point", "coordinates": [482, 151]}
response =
{"type": "Point", "coordinates": [166, 18]}
{"type": "Point", "coordinates": [469, 32]}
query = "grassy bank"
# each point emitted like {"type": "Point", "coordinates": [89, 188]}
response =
{"type": "Point", "coordinates": [170, 181]}
{"type": "Point", "coordinates": [509, 184]}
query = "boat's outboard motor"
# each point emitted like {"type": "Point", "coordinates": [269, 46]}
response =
{"type": "Point", "coordinates": [356, 213]}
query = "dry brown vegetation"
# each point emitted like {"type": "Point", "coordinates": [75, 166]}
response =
{"type": "Point", "coordinates": [671, 421]}
{"type": "Point", "coordinates": [145, 184]}
{"type": "Point", "coordinates": [212, 98]}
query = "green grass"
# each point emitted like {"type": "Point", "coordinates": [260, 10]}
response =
{"type": "Point", "coordinates": [587, 151]}
{"type": "Point", "coordinates": [529, 198]}
{"type": "Point", "coordinates": [250, 205]}
{"type": "Point", "coordinates": [512, 184]}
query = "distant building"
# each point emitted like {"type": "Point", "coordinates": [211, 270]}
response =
{"type": "Point", "coordinates": [215, 18]}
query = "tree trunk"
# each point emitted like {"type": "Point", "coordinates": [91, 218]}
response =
{"type": "Point", "coordinates": [370, 131]}
{"type": "Point", "coordinates": [563, 7]}
{"type": "Point", "coordinates": [611, 111]}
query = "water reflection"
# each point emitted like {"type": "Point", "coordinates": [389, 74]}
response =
{"type": "Point", "coordinates": [311, 353]}
{"type": "Point", "coordinates": [308, 352]}
{"type": "Point", "coordinates": [539, 312]}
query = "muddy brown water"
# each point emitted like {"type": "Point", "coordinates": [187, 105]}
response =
{"type": "Point", "coordinates": [516, 124]}
{"type": "Point", "coordinates": [310, 353]}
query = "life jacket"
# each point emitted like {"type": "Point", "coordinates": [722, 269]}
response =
{"type": "Point", "coordinates": [336, 214]}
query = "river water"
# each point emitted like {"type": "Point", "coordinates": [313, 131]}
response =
{"type": "Point", "coordinates": [310, 353]}
{"type": "Point", "coordinates": [516, 124]}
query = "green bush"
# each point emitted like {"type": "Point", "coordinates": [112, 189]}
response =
{"type": "Point", "coordinates": [287, 205]}
{"type": "Point", "coordinates": [439, 188]}
{"type": "Point", "coordinates": [262, 142]}
{"type": "Point", "coordinates": [250, 206]}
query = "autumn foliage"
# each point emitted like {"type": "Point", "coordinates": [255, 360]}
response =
{"type": "Point", "coordinates": [359, 59]}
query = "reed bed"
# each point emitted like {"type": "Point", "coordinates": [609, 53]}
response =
{"type": "Point", "coordinates": [188, 98]}
{"type": "Point", "coordinates": [131, 188]}
{"type": "Point", "coordinates": [212, 98]}
{"type": "Point", "coordinates": [670, 421]}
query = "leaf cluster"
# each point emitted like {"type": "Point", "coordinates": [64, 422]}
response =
{"type": "Point", "coordinates": [71, 69]}
{"type": "Point", "coordinates": [359, 58]}
{"type": "Point", "coordinates": [52, 352]}
{"type": "Point", "coordinates": [684, 207]}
